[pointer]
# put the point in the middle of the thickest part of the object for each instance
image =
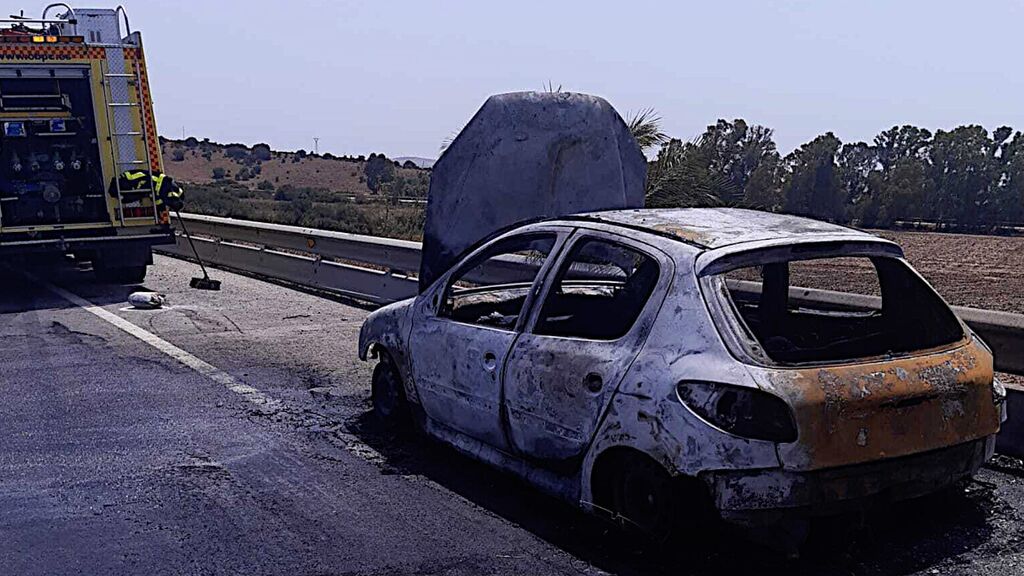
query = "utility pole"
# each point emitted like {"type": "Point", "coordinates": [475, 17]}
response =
{"type": "Point", "coordinates": [316, 145]}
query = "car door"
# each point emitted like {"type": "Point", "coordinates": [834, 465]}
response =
{"type": "Point", "coordinates": [595, 315]}
{"type": "Point", "coordinates": [465, 328]}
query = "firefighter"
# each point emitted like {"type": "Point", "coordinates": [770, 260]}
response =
{"type": "Point", "coordinates": [135, 185]}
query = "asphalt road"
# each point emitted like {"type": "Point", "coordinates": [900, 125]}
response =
{"type": "Point", "coordinates": [230, 435]}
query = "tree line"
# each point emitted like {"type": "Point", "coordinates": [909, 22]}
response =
{"type": "Point", "coordinates": [965, 177]}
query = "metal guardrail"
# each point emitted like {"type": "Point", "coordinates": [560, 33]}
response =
{"type": "Point", "coordinates": [364, 267]}
{"type": "Point", "coordinates": [382, 270]}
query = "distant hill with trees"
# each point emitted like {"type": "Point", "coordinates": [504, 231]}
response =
{"type": "Point", "coordinates": [965, 178]}
{"type": "Point", "coordinates": [258, 167]}
{"type": "Point", "coordinates": [363, 194]}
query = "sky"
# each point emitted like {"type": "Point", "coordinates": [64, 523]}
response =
{"type": "Point", "coordinates": [400, 77]}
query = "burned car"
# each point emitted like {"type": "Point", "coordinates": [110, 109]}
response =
{"type": "Point", "coordinates": [650, 364]}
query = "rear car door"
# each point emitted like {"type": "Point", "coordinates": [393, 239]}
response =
{"type": "Point", "coordinates": [595, 316]}
{"type": "Point", "coordinates": [461, 337]}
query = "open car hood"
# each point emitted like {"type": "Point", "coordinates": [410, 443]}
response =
{"type": "Point", "coordinates": [526, 156]}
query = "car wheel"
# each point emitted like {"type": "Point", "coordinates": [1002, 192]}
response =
{"type": "Point", "coordinates": [388, 394]}
{"type": "Point", "coordinates": [647, 498]}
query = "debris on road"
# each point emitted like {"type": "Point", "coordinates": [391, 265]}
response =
{"type": "Point", "coordinates": [147, 300]}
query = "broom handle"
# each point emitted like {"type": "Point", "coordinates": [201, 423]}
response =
{"type": "Point", "coordinates": [192, 244]}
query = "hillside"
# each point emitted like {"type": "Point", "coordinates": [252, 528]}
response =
{"type": "Point", "coordinates": [363, 195]}
{"type": "Point", "coordinates": [209, 163]}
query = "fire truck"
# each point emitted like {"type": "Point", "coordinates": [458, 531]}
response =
{"type": "Point", "coordinates": [76, 112]}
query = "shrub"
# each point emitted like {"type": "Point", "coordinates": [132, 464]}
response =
{"type": "Point", "coordinates": [378, 170]}
{"type": "Point", "coordinates": [262, 152]}
{"type": "Point", "coordinates": [219, 173]}
{"type": "Point", "coordinates": [236, 152]}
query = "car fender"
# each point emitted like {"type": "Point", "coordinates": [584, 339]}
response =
{"type": "Point", "coordinates": [388, 328]}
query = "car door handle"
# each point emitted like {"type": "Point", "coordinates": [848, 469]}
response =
{"type": "Point", "coordinates": [594, 382]}
{"type": "Point", "coordinates": [490, 361]}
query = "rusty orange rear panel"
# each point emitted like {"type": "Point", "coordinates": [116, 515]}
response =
{"type": "Point", "coordinates": [856, 413]}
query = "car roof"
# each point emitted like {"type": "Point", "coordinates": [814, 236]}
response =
{"type": "Point", "coordinates": [714, 228]}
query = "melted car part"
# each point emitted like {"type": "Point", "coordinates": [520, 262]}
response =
{"type": "Point", "coordinates": [526, 156]}
{"type": "Point", "coordinates": [745, 412]}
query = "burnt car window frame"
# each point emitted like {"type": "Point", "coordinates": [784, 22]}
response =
{"type": "Point", "coordinates": [666, 269]}
{"type": "Point", "coordinates": [436, 297]}
{"type": "Point", "coordinates": [741, 342]}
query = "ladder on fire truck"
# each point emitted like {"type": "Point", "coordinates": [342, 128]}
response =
{"type": "Point", "coordinates": [134, 81]}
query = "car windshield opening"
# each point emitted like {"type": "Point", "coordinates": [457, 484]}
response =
{"type": "Point", "coordinates": [836, 309]}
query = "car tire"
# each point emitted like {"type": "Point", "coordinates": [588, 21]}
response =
{"type": "Point", "coordinates": [390, 407]}
{"type": "Point", "coordinates": [124, 275]}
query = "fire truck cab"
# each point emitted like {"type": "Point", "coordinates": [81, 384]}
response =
{"type": "Point", "coordinates": [76, 112]}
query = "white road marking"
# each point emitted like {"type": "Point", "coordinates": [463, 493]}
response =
{"type": "Point", "coordinates": [351, 443]}
{"type": "Point", "coordinates": [206, 369]}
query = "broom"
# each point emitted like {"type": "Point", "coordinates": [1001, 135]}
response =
{"type": "Point", "coordinates": [204, 283]}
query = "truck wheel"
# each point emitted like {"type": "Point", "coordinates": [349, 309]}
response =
{"type": "Point", "coordinates": [390, 407]}
{"type": "Point", "coordinates": [124, 275]}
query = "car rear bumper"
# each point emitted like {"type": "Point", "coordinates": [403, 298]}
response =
{"type": "Point", "coordinates": [759, 497]}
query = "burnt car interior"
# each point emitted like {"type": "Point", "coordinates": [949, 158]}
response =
{"type": "Point", "coordinates": [905, 315]}
{"type": "Point", "coordinates": [491, 289]}
{"type": "Point", "coordinates": [599, 292]}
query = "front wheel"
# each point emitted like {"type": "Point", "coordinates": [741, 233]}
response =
{"type": "Point", "coordinates": [388, 395]}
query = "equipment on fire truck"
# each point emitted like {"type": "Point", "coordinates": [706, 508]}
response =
{"type": "Point", "coordinates": [76, 114]}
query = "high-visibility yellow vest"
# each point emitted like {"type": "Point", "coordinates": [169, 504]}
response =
{"type": "Point", "coordinates": [167, 191]}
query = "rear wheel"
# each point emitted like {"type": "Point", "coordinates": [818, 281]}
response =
{"type": "Point", "coordinates": [645, 496]}
{"type": "Point", "coordinates": [639, 492]}
{"type": "Point", "coordinates": [123, 275]}
{"type": "Point", "coordinates": [388, 395]}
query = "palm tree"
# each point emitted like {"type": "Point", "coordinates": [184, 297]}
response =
{"type": "Point", "coordinates": [645, 126]}
{"type": "Point", "coordinates": [679, 177]}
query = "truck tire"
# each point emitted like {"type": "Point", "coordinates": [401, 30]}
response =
{"type": "Point", "coordinates": [122, 275]}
